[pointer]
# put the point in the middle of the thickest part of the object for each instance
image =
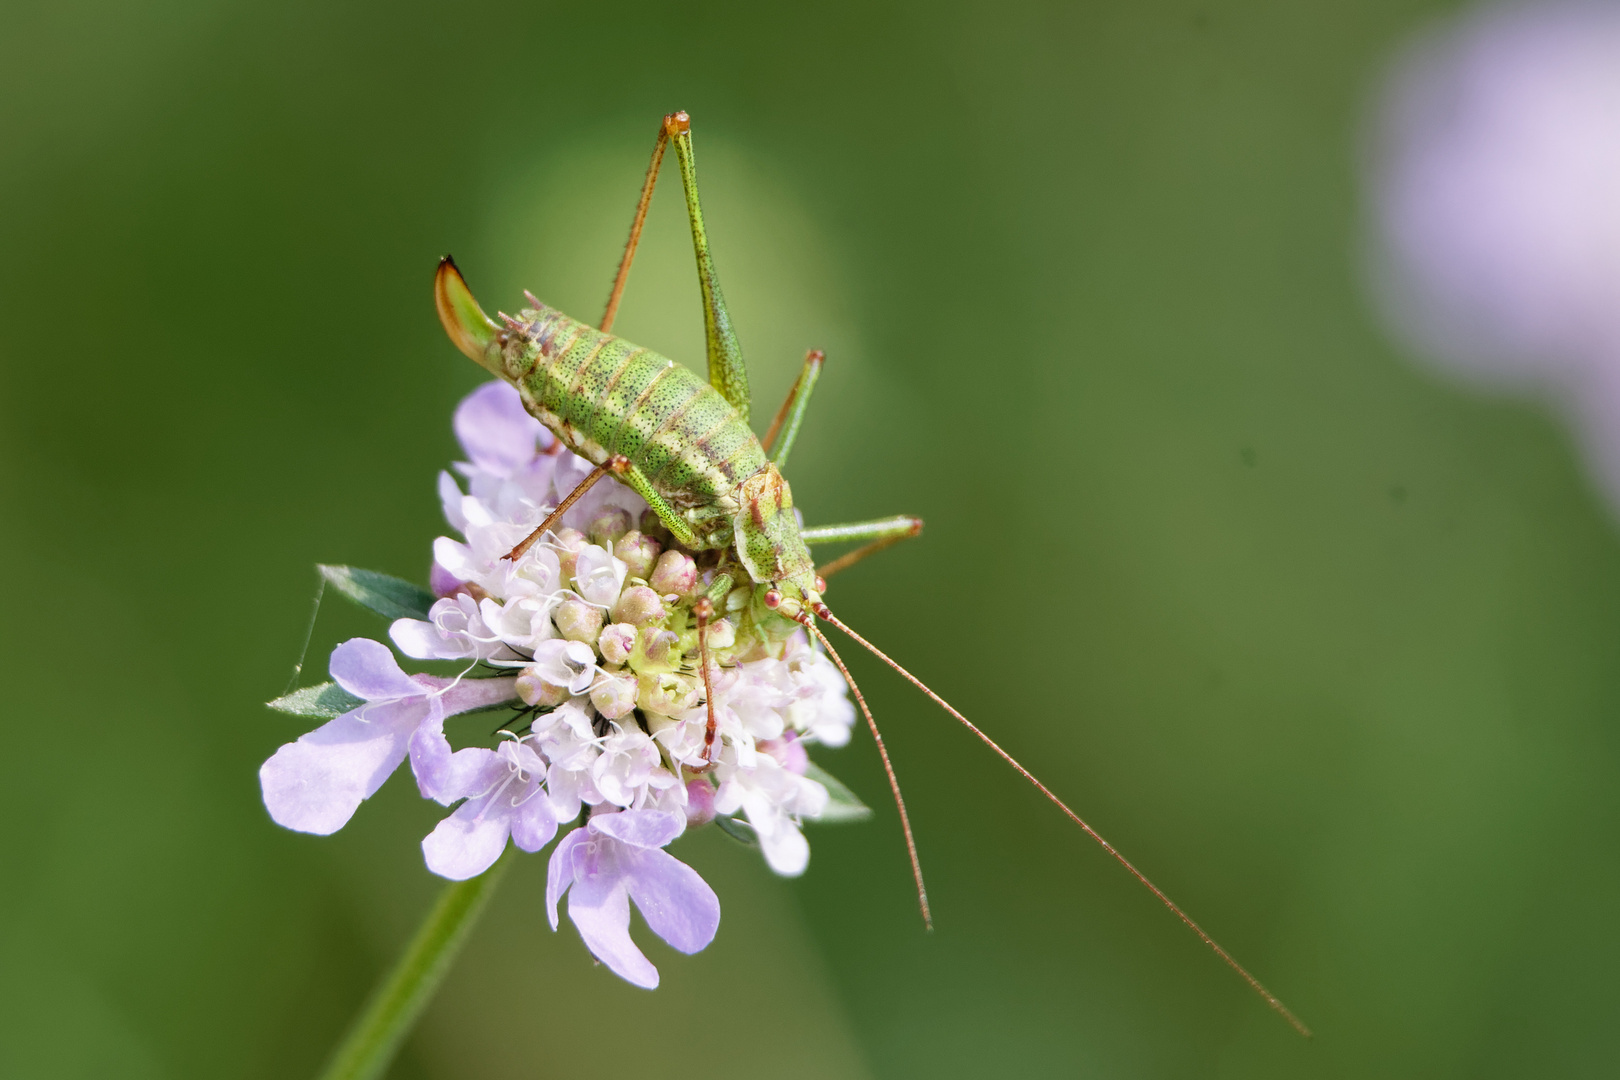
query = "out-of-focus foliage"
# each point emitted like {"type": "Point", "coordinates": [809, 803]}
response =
{"type": "Point", "coordinates": [1328, 648]}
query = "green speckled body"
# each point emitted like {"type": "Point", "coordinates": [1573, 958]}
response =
{"type": "Point", "coordinates": [602, 395]}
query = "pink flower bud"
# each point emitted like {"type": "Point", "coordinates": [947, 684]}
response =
{"type": "Point", "coordinates": [569, 541]}
{"type": "Point", "coordinates": [617, 643]}
{"type": "Point", "coordinates": [722, 635]}
{"type": "Point", "coordinates": [639, 552]}
{"type": "Point", "coordinates": [662, 648]}
{"type": "Point", "coordinates": [614, 694]}
{"type": "Point", "coordinates": [676, 573]}
{"type": "Point", "coordinates": [578, 621]}
{"type": "Point", "coordinates": [639, 606]}
{"type": "Point", "coordinates": [536, 691]}
{"type": "Point", "coordinates": [699, 802]}
{"type": "Point", "coordinates": [608, 525]}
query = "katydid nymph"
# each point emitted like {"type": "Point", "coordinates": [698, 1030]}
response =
{"type": "Point", "coordinates": [685, 446]}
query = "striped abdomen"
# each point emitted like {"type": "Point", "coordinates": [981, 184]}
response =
{"type": "Point", "coordinates": [603, 396]}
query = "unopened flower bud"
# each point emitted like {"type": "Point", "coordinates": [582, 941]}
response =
{"type": "Point", "coordinates": [578, 621]}
{"type": "Point", "coordinates": [536, 691]}
{"type": "Point", "coordinates": [662, 648]}
{"type": "Point", "coordinates": [722, 635]}
{"type": "Point", "coordinates": [639, 606]}
{"type": "Point", "coordinates": [607, 526]}
{"type": "Point", "coordinates": [614, 694]}
{"type": "Point", "coordinates": [699, 802]}
{"type": "Point", "coordinates": [676, 573]}
{"type": "Point", "coordinates": [639, 552]}
{"type": "Point", "coordinates": [569, 541]}
{"type": "Point", "coordinates": [668, 695]}
{"type": "Point", "coordinates": [617, 642]}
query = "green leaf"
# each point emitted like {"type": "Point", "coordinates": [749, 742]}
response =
{"type": "Point", "coordinates": [842, 805]}
{"type": "Point", "coordinates": [322, 702]}
{"type": "Point", "coordinates": [390, 597]}
{"type": "Point", "coordinates": [740, 831]}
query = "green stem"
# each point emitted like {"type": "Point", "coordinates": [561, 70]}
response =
{"type": "Point", "coordinates": [388, 1017]}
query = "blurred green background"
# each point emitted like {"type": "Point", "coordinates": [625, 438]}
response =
{"type": "Point", "coordinates": [1327, 647]}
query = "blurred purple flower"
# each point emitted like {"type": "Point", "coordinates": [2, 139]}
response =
{"type": "Point", "coordinates": [496, 432]}
{"type": "Point", "coordinates": [617, 858]}
{"type": "Point", "coordinates": [1495, 180]}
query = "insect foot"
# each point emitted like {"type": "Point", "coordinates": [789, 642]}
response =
{"type": "Point", "coordinates": [639, 695]}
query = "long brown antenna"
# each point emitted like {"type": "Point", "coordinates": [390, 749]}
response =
{"type": "Point", "coordinates": [883, 752]}
{"type": "Point", "coordinates": [1271, 999]}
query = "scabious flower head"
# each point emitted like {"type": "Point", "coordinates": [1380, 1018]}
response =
{"type": "Point", "coordinates": [589, 642]}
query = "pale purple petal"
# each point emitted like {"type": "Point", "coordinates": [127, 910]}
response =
{"type": "Point", "coordinates": [441, 582]}
{"type": "Point", "coordinates": [468, 842]}
{"type": "Point", "coordinates": [786, 850]}
{"type": "Point", "coordinates": [565, 663]}
{"type": "Point", "coordinates": [454, 631]}
{"type": "Point", "coordinates": [457, 559]}
{"type": "Point", "coordinates": [599, 576]}
{"type": "Point", "coordinates": [450, 496]}
{"type": "Point", "coordinates": [496, 432]}
{"type": "Point", "coordinates": [533, 823]}
{"type": "Point", "coordinates": [315, 785]}
{"type": "Point", "coordinates": [465, 695]}
{"type": "Point", "coordinates": [567, 790]}
{"type": "Point", "coordinates": [600, 908]}
{"type": "Point", "coordinates": [678, 905]}
{"type": "Point", "coordinates": [560, 870]}
{"type": "Point", "coordinates": [444, 776]}
{"type": "Point", "coordinates": [367, 669]}
{"type": "Point", "coordinates": [640, 828]}
{"type": "Point", "coordinates": [423, 641]}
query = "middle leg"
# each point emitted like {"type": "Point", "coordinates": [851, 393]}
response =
{"type": "Point", "coordinates": [881, 532]}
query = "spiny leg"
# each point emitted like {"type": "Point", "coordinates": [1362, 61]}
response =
{"type": "Point", "coordinates": [822, 612]}
{"type": "Point", "coordinates": [883, 532]}
{"type": "Point", "coordinates": [617, 464]}
{"type": "Point", "coordinates": [635, 228]}
{"type": "Point", "coordinates": [727, 372]}
{"type": "Point", "coordinates": [793, 408]}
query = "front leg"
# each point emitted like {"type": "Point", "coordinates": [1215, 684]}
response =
{"type": "Point", "coordinates": [791, 414]}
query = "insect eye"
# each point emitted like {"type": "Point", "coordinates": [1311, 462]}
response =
{"type": "Point", "coordinates": [773, 598]}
